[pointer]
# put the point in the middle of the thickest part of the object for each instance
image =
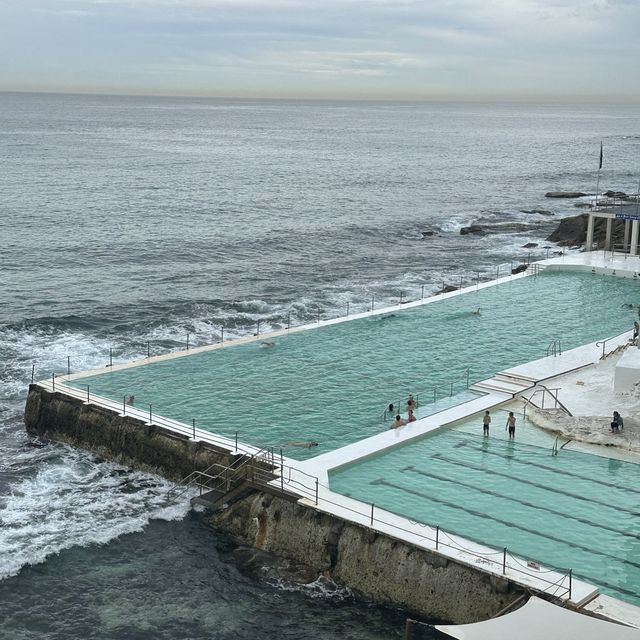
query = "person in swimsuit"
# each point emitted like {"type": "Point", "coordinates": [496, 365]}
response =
{"type": "Point", "coordinates": [511, 425]}
{"type": "Point", "coordinates": [398, 422]}
{"type": "Point", "coordinates": [411, 417]}
{"type": "Point", "coordinates": [411, 403]}
{"type": "Point", "coordinates": [486, 421]}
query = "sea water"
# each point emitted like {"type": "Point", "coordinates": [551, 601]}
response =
{"type": "Point", "coordinates": [127, 221]}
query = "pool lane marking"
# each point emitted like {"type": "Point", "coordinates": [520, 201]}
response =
{"type": "Point", "coordinates": [548, 468]}
{"type": "Point", "coordinates": [523, 502]}
{"type": "Point", "coordinates": [507, 523]}
{"type": "Point", "coordinates": [577, 496]}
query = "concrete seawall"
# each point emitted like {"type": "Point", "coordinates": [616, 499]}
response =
{"type": "Point", "coordinates": [380, 567]}
{"type": "Point", "coordinates": [123, 439]}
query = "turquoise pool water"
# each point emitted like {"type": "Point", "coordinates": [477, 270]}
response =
{"type": "Point", "coordinates": [331, 385]}
{"type": "Point", "coordinates": [572, 510]}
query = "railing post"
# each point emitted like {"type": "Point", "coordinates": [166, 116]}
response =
{"type": "Point", "coordinates": [443, 286]}
{"type": "Point", "coordinates": [281, 471]}
{"type": "Point", "coordinates": [437, 536]}
{"type": "Point", "coordinates": [372, 508]}
{"type": "Point", "coordinates": [289, 320]}
{"type": "Point", "coordinates": [477, 280]}
{"type": "Point", "coordinates": [236, 441]}
{"type": "Point", "coordinates": [110, 357]}
{"type": "Point", "coordinates": [68, 365]}
{"type": "Point", "coordinates": [451, 390]}
{"type": "Point", "coordinates": [347, 309]}
{"type": "Point", "coordinates": [373, 301]}
{"type": "Point", "coordinates": [504, 561]}
{"type": "Point", "coordinates": [148, 349]}
{"type": "Point", "coordinates": [460, 284]}
{"type": "Point", "coordinates": [498, 272]}
{"type": "Point", "coordinates": [53, 382]}
{"type": "Point", "coordinates": [318, 318]}
{"type": "Point", "coordinates": [124, 405]}
{"type": "Point", "coordinates": [221, 334]}
{"type": "Point", "coordinates": [150, 415]}
{"type": "Point", "coordinates": [570, 582]}
{"type": "Point", "coordinates": [87, 394]}
{"type": "Point", "coordinates": [194, 429]}
{"type": "Point", "coordinates": [187, 342]}
{"type": "Point", "coordinates": [467, 377]}
{"type": "Point", "coordinates": [401, 296]}
{"type": "Point", "coordinates": [258, 328]}
{"type": "Point", "coordinates": [316, 492]}
{"type": "Point", "coordinates": [435, 393]}
{"type": "Point", "coordinates": [33, 372]}
{"type": "Point", "coordinates": [422, 292]}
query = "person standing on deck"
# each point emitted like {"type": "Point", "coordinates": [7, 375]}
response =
{"type": "Point", "coordinates": [486, 421]}
{"type": "Point", "coordinates": [511, 425]}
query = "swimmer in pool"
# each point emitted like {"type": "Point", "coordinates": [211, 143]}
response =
{"type": "Point", "coordinates": [267, 345]}
{"type": "Point", "coordinates": [308, 444]}
{"type": "Point", "coordinates": [476, 312]}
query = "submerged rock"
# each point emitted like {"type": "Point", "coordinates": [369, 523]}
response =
{"type": "Point", "coordinates": [564, 194]}
{"type": "Point", "coordinates": [427, 234]}
{"type": "Point", "coordinates": [473, 229]}
{"type": "Point", "coordinates": [519, 269]}
{"type": "Point", "coordinates": [530, 245]}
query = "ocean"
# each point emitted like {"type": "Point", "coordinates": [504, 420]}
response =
{"type": "Point", "coordinates": [127, 223]}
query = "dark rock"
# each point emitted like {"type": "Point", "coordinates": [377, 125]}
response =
{"type": "Point", "coordinates": [519, 268]}
{"type": "Point", "coordinates": [473, 229]}
{"type": "Point", "coordinates": [572, 231]}
{"type": "Point", "coordinates": [583, 205]}
{"type": "Point", "coordinates": [621, 195]}
{"type": "Point", "coordinates": [564, 194]}
{"type": "Point", "coordinates": [540, 212]}
{"type": "Point", "coordinates": [428, 234]}
{"type": "Point", "coordinates": [448, 289]}
{"type": "Point", "coordinates": [529, 245]}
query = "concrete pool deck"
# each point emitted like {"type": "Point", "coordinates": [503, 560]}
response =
{"type": "Point", "coordinates": [551, 370]}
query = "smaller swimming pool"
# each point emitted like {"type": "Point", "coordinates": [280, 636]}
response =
{"type": "Point", "coordinates": [572, 510]}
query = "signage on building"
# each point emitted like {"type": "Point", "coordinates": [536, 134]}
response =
{"type": "Point", "coordinates": [628, 216]}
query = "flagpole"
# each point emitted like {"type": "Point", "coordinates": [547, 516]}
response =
{"type": "Point", "coordinates": [598, 181]}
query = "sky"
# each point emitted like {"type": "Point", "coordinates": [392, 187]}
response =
{"type": "Point", "coordinates": [355, 49]}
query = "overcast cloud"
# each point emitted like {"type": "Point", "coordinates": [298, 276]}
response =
{"type": "Point", "coordinates": [472, 49]}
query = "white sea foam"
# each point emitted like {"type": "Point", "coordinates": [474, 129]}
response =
{"type": "Point", "coordinates": [321, 587]}
{"type": "Point", "coordinates": [74, 500]}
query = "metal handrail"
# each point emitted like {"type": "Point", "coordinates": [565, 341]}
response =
{"type": "Point", "coordinates": [540, 387]}
{"type": "Point", "coordinates": [448, 392]}
{"type": "Point", "coordinates": [372, 517]}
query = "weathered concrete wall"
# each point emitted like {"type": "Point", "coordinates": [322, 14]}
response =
{"type": "Point", "coordinates": [123, 439]}
{"type": "Point", "coordinates": [381, 568]}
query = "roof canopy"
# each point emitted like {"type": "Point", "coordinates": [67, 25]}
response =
{"type": "Point", "coordinates": [538, 619]}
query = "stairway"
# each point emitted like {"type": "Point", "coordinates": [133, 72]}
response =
{"type": "Point", "coordinates": [504, 383]}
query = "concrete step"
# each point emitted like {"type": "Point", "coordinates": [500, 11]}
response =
{"type": "Point", "coordinates": [523, 383]}
{"type": "Point", "coordinates": [504, 386]}
{"type": "Point", "coordinates": [215, 500]}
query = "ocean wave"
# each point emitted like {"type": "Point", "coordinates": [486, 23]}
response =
{"type": "Point", "coordinates": [75, 500]}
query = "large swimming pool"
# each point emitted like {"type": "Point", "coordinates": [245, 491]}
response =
{"type": "Point", "coordinates": [332, 384]}
{"type": "Point", "coordinates": [572, 510]}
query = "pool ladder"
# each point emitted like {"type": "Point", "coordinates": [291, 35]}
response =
{"type": "Point", "coordinates": [555, 348]}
